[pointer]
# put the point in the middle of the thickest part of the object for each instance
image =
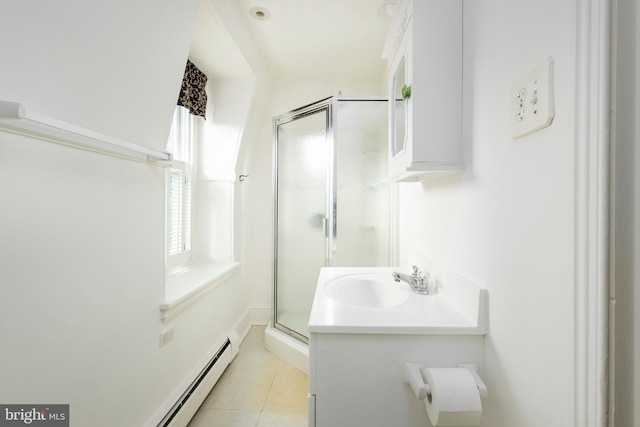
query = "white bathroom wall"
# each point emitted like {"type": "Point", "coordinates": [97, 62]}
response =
{"type": "Point", "coordinates": [228, 106]}
{"type": "Point", "coordinates": [112, 67]}
{"type": "Point", "coordinates": [82, 265]}
{"type": "Point", "coordinates": [506, 222]}
{"type": "Point", "coordinates": [82, 254]}
{"type": "Point", "coordinates": [247, 236]}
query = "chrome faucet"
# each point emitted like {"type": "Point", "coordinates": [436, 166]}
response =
{"type": "Point", "coordinates": [418, 280]}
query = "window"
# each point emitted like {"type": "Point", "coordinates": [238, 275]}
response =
{"type": "Point", "coordinates": [179, 189]}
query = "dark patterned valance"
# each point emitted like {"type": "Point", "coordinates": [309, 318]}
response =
{"type": "Point", "coordinates": [192, 94]}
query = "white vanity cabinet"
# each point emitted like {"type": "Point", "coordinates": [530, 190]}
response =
{"type": "Point", "coordinates": [424, 50]}
{"type": "Point", "coordinates": [364, 327]}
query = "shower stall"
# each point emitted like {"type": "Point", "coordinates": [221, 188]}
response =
{"type": "Point", "coordinates": [331, 199]}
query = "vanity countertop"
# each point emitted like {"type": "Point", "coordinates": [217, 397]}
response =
{"type": "Point", "coordinates": [461, 311]}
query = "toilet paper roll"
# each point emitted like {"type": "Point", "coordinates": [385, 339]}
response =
{"type": "Point", "coordinates": [454, 399]}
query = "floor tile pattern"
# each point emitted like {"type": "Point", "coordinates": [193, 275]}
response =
{"type": "Point", "coordinates": [258, 389]}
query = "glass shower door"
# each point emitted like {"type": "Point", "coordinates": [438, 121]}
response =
{"type": "Point", "coordinates": [302, 148]}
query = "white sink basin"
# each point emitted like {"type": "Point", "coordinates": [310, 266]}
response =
{"type": "Point", "coordinates": [366, 300]}
{"type": "Point", "coordinates": [367, 290]}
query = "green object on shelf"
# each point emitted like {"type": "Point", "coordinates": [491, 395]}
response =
{"type": "Point", "coordinates": [406, 92]}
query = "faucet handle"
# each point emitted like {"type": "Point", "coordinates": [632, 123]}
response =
{"type": "Point", "coordinates": [416, 270]}
{"type": "Point", "coordinates": [421, 283]}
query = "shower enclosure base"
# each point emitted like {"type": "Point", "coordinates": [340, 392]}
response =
{"type": "Point", "coordinates": [287, 348]}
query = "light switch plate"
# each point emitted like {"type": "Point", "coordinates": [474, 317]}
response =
{"type": "Point", "coordinates": [532, 100]}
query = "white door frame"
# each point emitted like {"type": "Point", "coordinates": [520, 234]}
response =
{"type": "Point", "coordinates": [591, 245]}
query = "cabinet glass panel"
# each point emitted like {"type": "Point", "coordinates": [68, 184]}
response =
{"type": "Point", "coordinates": [399, 110]}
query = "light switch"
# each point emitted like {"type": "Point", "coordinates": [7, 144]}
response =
{"type": "Point", "coordinates": [532, 100]}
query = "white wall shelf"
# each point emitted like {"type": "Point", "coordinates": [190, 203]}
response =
{"type": "Point", "coordinates": [16, 118]}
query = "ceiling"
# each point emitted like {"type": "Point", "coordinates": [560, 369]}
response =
{"type": "Point", "coordinates": [321, 39]}
{"type": "Point", "coordinates": [308, 39]}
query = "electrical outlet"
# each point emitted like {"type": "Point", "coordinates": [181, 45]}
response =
{"type": "Point", "coordinates": [166, 336]}
{"type": "Point", "coordinates": [532, 100]}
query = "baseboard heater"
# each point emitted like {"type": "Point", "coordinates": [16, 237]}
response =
{"type": "Point", "coordinates": [184, 409]}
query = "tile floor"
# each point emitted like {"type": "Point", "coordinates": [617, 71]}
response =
{"type": "Point", "coordinates": [258, 389]}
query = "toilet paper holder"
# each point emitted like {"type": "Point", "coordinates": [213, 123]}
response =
{"type": "Point", "coordinates": [412, 375]}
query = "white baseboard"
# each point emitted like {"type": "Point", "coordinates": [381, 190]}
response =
{"type": "Point", "coordinates": [168, 404]}
{"type": "Point", "coordinates": [253, 315]}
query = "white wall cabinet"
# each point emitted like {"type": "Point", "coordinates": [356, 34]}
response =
{"type": "Point", "coordinates": [424, 50]}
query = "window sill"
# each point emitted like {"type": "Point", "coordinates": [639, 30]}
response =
{"type": "Point", "coordinates": [186, 287]}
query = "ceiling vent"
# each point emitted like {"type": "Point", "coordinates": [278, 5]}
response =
{"type": "Point", "coordinates": [260, 13]}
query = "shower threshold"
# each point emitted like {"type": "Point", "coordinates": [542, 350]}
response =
{"type": "Point", "coordinates": [289, 349]}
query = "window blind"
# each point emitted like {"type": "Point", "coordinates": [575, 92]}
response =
{"type": "Point", "coordinates": [179, 203]}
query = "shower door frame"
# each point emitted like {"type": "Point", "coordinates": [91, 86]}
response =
{"type": "Point", "coordinates": [330, 199]}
